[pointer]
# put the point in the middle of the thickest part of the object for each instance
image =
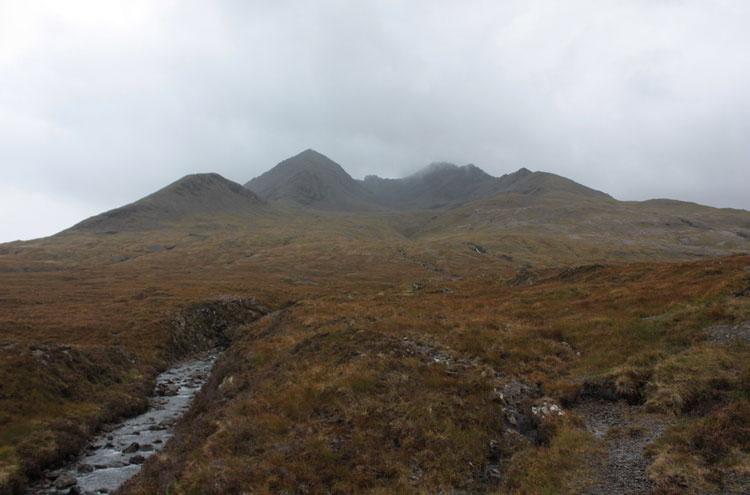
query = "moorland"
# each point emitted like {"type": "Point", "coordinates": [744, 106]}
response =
{"type": "Point", "coordinates": [450, 332]}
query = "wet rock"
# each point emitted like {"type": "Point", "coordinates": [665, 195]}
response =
{"type": "Point", "coordinates": [85, 468]}
{"type": "Point", "coordinates": [137, 459]}
{"type": "Point", "coordinates": [157, 427]}
{"type": "Point", "coordinates": [147, 448]}
{"type": "Point", "coordinates": [53, 475]}
{"type": "Point", "coordinates": [133, 447]}
{"type": "Point", "coordinates": [167, 389]}
{"type": "Point", "coordinates": [65, 480]}
{"type": "Point", "coordinates": [100, 466]}
{"type": "Point", "coordinates": [75, 491]}
{"type": "Point", "coordinates": [158, 440]}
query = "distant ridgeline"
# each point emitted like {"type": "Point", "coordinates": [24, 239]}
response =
{"type": "Point", "coordinates": [463, 200]}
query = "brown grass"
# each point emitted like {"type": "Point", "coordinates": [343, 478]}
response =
{"type": "Point", "coordinates": [377, 373]}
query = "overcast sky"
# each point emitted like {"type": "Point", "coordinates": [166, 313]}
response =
{"type": "Point", "coordinates": [102, 103]}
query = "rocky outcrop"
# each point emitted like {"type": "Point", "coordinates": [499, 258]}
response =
{"type": "Point", "coordinates": [207, 324]}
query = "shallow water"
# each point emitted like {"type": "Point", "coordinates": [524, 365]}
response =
{"type": "Point", "coordinates": [105, 458]}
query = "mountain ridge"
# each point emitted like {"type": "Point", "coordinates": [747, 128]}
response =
{"type": "Point", "coordinates": [312, 180]}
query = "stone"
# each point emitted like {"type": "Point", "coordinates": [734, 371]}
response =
{"type": "Point", "coordinates": [85, 468]}
{"type": "Point", "coordinates": [133, 447]}
{"type": "Point", "coordinates": [53, 475]}
{"type": "Point", "coordinates": [137, 459]}
{"type": "Point", "coordinates": [65, 480]}
{"type": "Point", "coordinates": [167, 389]}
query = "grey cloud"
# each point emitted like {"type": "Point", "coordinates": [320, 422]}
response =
{"type": "Point", "coordinates": [640, 99]}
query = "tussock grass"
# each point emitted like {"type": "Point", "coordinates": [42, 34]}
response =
{"type": "Point", "coordinates": [377, 373]}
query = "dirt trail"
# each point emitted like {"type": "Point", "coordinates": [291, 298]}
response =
{"type": "Point", "coordinates": [626, 431]}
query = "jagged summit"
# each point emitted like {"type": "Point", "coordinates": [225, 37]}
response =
{"type": "Point", "coordinates": [437, 185]}
{"type": "Point", "coordinates": [192, 195]}
{"type": "Point", "coordinates": [444, 184]}
{"type": "Point", "coordinates": [312, 179]}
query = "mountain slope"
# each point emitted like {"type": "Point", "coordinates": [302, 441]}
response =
{"type": "Point", "coordinates": [527, 182]}
{"type": "Point", "coordinates": [311, 179]}
{"type": "Point", "coordinates": [193, 195]}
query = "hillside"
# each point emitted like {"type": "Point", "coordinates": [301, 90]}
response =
{"type": "Point", "coordinates": [192, 196]}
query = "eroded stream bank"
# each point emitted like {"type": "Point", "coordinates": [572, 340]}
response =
{"type": "Point", "coordinates": [114, 456]}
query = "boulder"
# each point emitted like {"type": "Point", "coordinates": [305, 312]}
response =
{"type": "Point", "coordinates": [133, 447]}
{"type": "Point", "coordinates": [65, 480]}
{"type": "Point", "coordinates": [53, 475]}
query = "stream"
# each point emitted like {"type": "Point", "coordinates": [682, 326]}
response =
{"type": "Point", "coordinates": [114, 456]}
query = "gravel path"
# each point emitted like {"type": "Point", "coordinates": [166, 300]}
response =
{"type": "Point", "coordinates": [626, 432]}
{"type": "Point", "coordinates": [729, 334]}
